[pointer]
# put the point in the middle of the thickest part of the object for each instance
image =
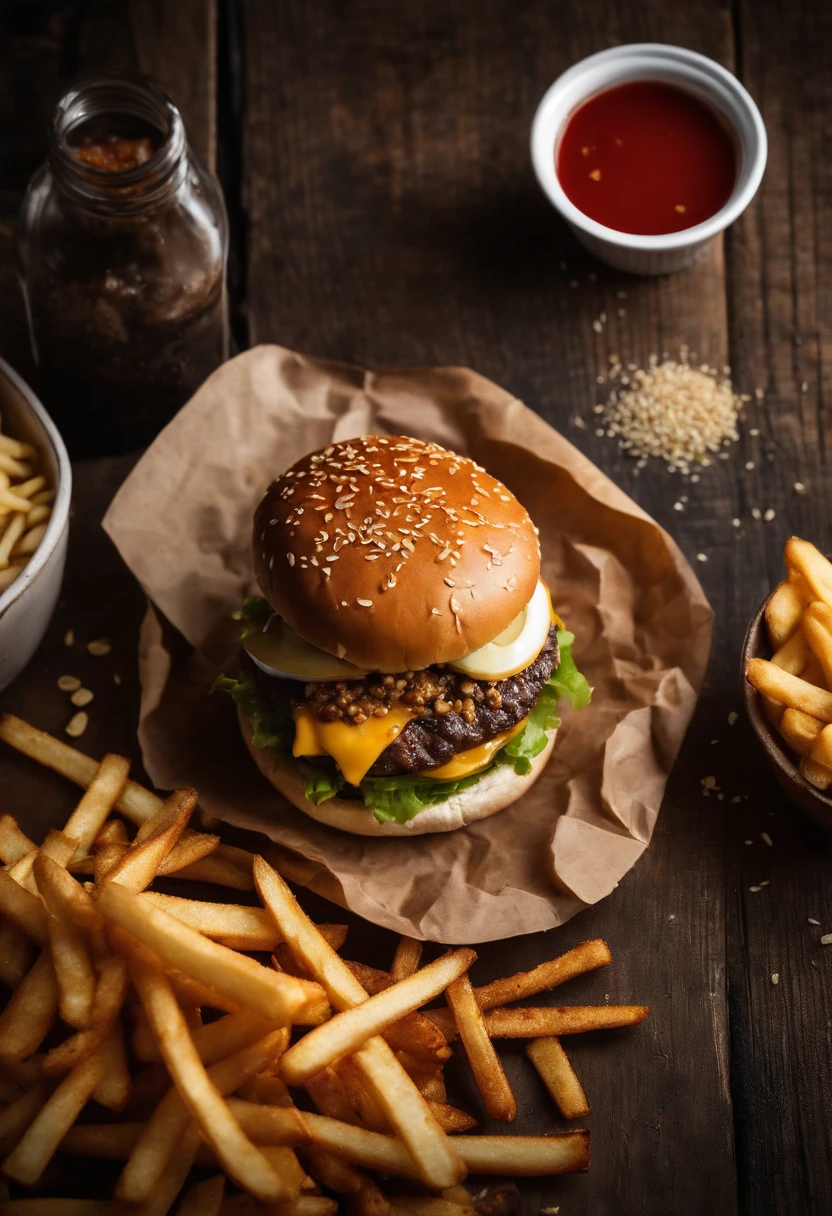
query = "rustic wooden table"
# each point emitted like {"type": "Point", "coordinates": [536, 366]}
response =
{"type": "Point", "coordinates": [375, 162]}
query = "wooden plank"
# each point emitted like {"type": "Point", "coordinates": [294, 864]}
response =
{"type": "Point", "coordinates": [780, 267]}
{"type": "Point", "coordinates": [393, 218]}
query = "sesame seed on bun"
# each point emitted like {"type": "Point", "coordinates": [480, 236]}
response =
{"type": "Point", "coordinates": [394, 553]}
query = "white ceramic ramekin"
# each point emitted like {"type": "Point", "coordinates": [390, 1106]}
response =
{"type": "Point", "coordinates": [26, 606]}
{"type": "Point", "coordinates": [670, 65]}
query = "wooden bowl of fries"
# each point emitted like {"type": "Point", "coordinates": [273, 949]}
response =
{"type": "Point", "coordinates": [787, 677]}
{"type": "Point", "coordinates": [35, 489]}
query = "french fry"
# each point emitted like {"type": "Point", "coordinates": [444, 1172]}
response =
{"type": "Point", "coordinates": [105, 861]}
{"type": "Point", "coordinates": [789, 690]}
{"type": "Point", "coordinates": [23, 909]}
{"type": "Point", "coordinates": [14, 844]}
{"type": "Point", "coordinates": [783, 612]}
{"type": "Point", "coordinates": [327, 1091]}
{"type": "Point", "coordinates": [531, 1156]}
{"type": "Point", "coordinates": [813, 672]}
{"type": "Point", "coordinates": [171, 1117]}
{"type": "Point", "coordinates": [189, 851]}
{"type": "Point", "coordinates": [32, 1008]}
{"type": "Point", "coordinates": [103, 1141]}
{"type": "Point", "coordinates": [281, 998]}
{"type": "Point", "coordinates": [530, 1023]}
{"type": "Point", "coordinates": [800, 730]}
{"type": "Point", "coordinates": [400, 1100]}
{"type": "Point", "coordinates": [98, 800]}
{"type": "Point", "coordinates": [793, 655]}
{"type": "Point", "coordinates": [489, 1075]}
{"type": "Point", "coordinates": [371, 979]}
{"type": "Point", "coordinates": [214, 1041]}
{"type": "Point", "coordinates": [137, 803]}
{"type": "Point", "coordinates": [817, 628]}
{"type": "Point", "coordinates": [234, 925]}
{"type": "Point", "coordinates": [807, 561]}
{"type": "Point", "coordinates": [559, 1077]}
{"type": "Point", "coordinates": [348, 1030]}
{"type": "Point", "coordinates": [216, 868]}
{"type": "Point", "coordinates": [238, 1156]}
{"type": "Point", "coordinates": [450, 1118]}
{"type": "Point", "coordinates": [406, 959]}
{"type": "Point", "coordinates": [140, 863]}
{"type": "Point", "coordinates": [20, 1114]}
{"type": "Point", "coordinates": [360, 1096]}
{"type": "Point", "coordinates": [115, 1085]}
{"type": "Point", "coordinates": [203, 1198]}
{"type": "Point", "coordinates": [821, 753]}
{"type": "Point", "coordinates": [459, 1195]}
{"type": "Point", "coordinates": [416, 1034]}
{"type": "Point", "coordinates": [587, 956]}
{"type": "Point", "coordinates": [111, 832]}
{"type": "Point", "coordinates": [73, 966]}
{"type": "Point", "coordinates": [110, 991]}
{"type": "Point", "coordinates": [266, 1089]}
{"type": "Point", "coordinates": [816, 774]}
{"type": "Point", "coordinates": [37, 1146]}
{"type": "Point", "coordinates": [16, 954]}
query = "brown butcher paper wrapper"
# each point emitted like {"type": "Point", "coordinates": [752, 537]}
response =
{"type": "Point", "coordinates": [182, 522]}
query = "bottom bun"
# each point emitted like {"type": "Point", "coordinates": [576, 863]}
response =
{"type": "Point", "coordinates": [496, 790]}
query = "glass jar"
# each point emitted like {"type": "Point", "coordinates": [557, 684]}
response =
{"type": "Point", "coordinates": [122, 242]}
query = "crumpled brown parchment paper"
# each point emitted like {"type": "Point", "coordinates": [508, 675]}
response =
{"type": "Point", "coordinates": [182, 522]}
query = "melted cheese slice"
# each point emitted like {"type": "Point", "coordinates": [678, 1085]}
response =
{"type": "Point", "coordinates": [354, 749]}
{"type": "Point", "coordinates": [465, 764]}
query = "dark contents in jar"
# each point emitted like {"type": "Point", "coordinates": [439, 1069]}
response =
{"type": "Point", "coordinates": [115, 153]}
{"type": "Point", "coordinates": [128, 306]}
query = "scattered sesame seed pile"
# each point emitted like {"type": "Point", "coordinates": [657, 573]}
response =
{"type": "Point", "coordinates": [672, 410]}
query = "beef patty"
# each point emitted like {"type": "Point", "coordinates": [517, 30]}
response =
{"type": "Point", "coordinates": [432, 739]}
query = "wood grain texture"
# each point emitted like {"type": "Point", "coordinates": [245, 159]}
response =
{"type": "Point", "coordinates": [779, 260]}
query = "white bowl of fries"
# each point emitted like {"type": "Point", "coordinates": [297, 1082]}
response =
{"type": "Point", "coordinates": [35, 489]}
{"type": "Point", "coordinates": [787, 662]}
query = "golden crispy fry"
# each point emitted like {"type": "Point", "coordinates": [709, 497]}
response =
{"type": "Point", "coordinates": [32, 1008]}
{"type": "Point", "coordinates": [371, 979]}
{"type": "Point", "coordinates": [101, 795]}
{"type": "Point", "coordinates": [14, 844]}
{"type": "Point", "coordinates": [791, 691]}
{"type": "Point", "coordinates": [239, 1158]}
{"type": "Point", "coordinates": [587, 956]}
{"type": "Point", "coordinates": [113, 831]}
{"type": "Point", "coordinates": [812, 566]}
{"type": "Point", "coordinates": [391, 1087]}
{"type": "Point", "coordinates": [170, 1120]}
{"type": "Point", "coordinates": [35, 1150]}
{"type": "Point", "coordinates": [141, 862]}
{"type": "Point", "coordinates": [266, 1089]}
{"type": "Point", "coordinates": [360, 1096]}
{"type": "Point", "coordinates": [218, 868]}
{"type": "Point", "coordinates": [136, 802]}
{"type": "Point", "coordinates": [279, 997]}
{"type": "Point", "coordinates": [234, 925]}
{"type": "Point", "coordinates": [459, 1195]}
{"type": "Point", "coordinates": [490, 1078]}
{"type": "Point", "coordinates": [23, 909]}
{"type": "Point", "coordinates": [17, 953]}
{"type": "Point", "coordinates": [329, 1095]}
{"type": "Point", "coordinates": [107, 859]}
{"type": "Point", "coordinates": [70, 956]}
{"type": "Point", "coordinates": [559, 1077]}
{"type": "Point", "coordinates": [507, 1155]}
{"type": "Point", "coordinates": [213, 1041]}
{"type": "Point", "coordinates": [110, 991]}
{"type": "Point", "coordinates": [193, 848]}
{"type": "Point", "coordinates": [406, 959]}
{"type": "Point", "coordinates": [817, 628]}
{"type": "Point", "coordinates": [450, 1118]}
{"type": "Point", "coordinates": [104, 1141]}
{"type": "Point", "coordinates": [533, 1023]}
{"type": "Point", "coordinates": [20, 1114]}
{"type": "Point", "coordinates": [821, 752]}
{"type": "Point", "coordinates": [783, 612]}
{"type": "Point", "coordinates": [799, 730]}
{"type": "Point", "coordinates": [348, 1030]}
{"type": "Point", "coordinates": [115, 1086]}
{"type": "Point", "coordinates": [816, 774]}
{"type": "Point", "coordinates": [203, 1198]}
{"type": "Point", "coordinates": [794, 654]}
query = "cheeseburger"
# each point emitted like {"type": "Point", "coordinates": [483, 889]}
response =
{"type": "Point", "coordinates": [402, 672]}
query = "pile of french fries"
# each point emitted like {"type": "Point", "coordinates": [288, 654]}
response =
{"type": "Point", "coordinates": [796, 684]}
{"type": "Point", "coordinates": [25, 506]}
{"type": "Point", "coordinates": [300, 1086]}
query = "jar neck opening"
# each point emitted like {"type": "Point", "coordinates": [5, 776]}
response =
{"type": "Point", "coordinates": [117, 106]}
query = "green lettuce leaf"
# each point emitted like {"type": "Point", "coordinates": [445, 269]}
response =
{"type": "Point", "coordinates": [254, 614]}
{"type": "Point", "coordinates": [268, 728]}
{"type": "Point", "coordinates": [401, 798]}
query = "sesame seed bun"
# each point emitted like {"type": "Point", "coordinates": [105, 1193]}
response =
{"type": "Point", "coordinates": [496, 790]}
{"type": "Point", "coordinates": [394, 553]}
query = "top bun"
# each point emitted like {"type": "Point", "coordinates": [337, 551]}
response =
{"type": "Point", "coordinates": [394, 553]}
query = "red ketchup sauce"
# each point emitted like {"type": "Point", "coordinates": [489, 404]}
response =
{"type": "Point", "coordinates": [646, 158]}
